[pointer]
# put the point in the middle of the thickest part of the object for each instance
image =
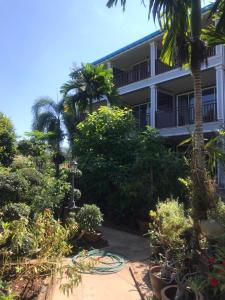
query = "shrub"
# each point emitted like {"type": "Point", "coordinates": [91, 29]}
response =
{"type": "Point", "coordinates": [168, 223]}
{"type": "Point", "coordinates": [33, 176]}
{"type": "Point", "coordinates": [13, 187]}
{"type": "Point", "coordinates": [20, 162]}
{"type": "Point", "coordinates": [89, 218]}
{"type": "Point", "coordinates": [218, 213]}
{"type": "Point", "coordinates": [7, 141]}
{"type": "Point", "coordinates": [45, 240]}
{"type": "Point", "coordinates": [15, 211]}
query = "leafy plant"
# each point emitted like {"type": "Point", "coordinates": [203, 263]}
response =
{"type": "Point", "coordinates": [7, 141]}
{"type": "Point", "coordinates": [15, 211]}
{"type": "Point", "coordinates": [48, 245]}
{"type": "Point", "coordinates": [218, 212]}
{"type": "Point", "coordinates": [13, 187]}
{"type": "Point", "coordinates": [89, 218]}
{"type": "Point", "coordinates": [168, 223]}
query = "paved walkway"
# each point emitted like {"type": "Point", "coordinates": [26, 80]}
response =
{"type": "Point", "coordinates": [118, 286]}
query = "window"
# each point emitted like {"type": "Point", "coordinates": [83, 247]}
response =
{"type": "Point", "coordinates": [185, 107]}
{"type": "Point", "coordinates": [142, 114]}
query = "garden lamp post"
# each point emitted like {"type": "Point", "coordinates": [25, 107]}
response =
{"type": "Point", "coordinates": [73, 170]}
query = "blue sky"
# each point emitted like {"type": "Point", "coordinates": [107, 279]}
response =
{"type": "Point", "coordinates": [40, 40]}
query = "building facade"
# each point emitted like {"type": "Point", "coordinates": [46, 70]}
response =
{"type": "Point", "coordinates": [162, 97]}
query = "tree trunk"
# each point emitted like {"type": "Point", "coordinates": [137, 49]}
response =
{"type": "Point", "coordinates": [200, 187]}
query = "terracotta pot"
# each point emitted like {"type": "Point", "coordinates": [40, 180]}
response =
{"type": "Point", "coordinates": [143, 226]}
{"type": "Point", "coordinates": [211, 229]}
{"type": "Point", "coordinates": [169, 293]}
{"type": "Point", "coordinates": [157, 283]}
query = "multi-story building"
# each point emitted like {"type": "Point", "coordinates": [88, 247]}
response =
{"type": "Point", "coordinates": [162, 96]}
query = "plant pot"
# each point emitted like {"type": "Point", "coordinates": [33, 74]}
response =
{"type": "Point", "coordinates": [157, 283]}
{"type": "Point", "coordinates": [169, 293]}
{"type": "Point", "coordinates": [143, 226]}
{"type": "Point", "coordinates": [93, 237]}
{"type": "Point", "coordinates": [211, 229]}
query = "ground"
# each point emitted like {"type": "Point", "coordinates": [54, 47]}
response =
{"type": "Point", "coordinates": [121, 285]}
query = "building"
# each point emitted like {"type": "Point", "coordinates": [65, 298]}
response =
{"type": "Point", "coordinates": [162, 96]}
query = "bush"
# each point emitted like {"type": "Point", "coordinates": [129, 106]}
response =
{"type": "Point", "coordinates": [168, 223]}
{"type": "Point", "coordinates": [218, 213]}
{"type": "Point", "coordinates": [89, 218]}
{"type": "Point", "coordinates": [21, 162]}
{"type": "Point", "coordinates": [7, 141]}
{"type": "Point", "coordinates": [33, 176]}
{"type": "Point", "coordinates": [13, 188]}
{"type": "Point", "coordinates": [15, 211]}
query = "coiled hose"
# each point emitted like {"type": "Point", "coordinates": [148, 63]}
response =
{"type": "Point", "coordinates": [114, 262]}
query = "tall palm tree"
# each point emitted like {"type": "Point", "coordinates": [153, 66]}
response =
{"type": "Point", "coordinates": [47, 117]}
{"type": "Point", "coordinates": [181, 23]}
{"type": "Point", "coordinates": [88, 84]}
{"type": "Point", "coordinates": [71, 118]}
{"type": "Point", "coordinates": [215, 33]}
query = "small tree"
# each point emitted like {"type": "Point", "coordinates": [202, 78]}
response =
{"type": "Point", "coordinates": [88, 84]}
{"type": "Point", "coordinates": [47, 118]}
{"type": "Point", "coordinates": [7, 141]}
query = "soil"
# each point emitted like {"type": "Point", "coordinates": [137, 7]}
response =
{"type": "Point", "coordinates": [27, 289]}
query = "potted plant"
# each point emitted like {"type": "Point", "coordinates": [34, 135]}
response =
{"type": "Point", "coordinates": [167, 224]}
{"type": "Point", "coordinates": [188, 287]}
{"type": "Point", "coordinates": [89, 219]}
{"type": "Point", "coordinates": [170, 293]}
{"type": "Point", "coordinates": [160, 277]}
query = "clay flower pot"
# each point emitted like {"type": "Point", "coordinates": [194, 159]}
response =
{"type": "Point", "coordinates": [169, 293]}
{"type": "Point", "coordinates": [157, 283]}
{"type": "Point", "coordinates": [211, 229]}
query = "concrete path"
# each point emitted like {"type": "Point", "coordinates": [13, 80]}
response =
{"type": "Point", "coordinates": [118, 286]}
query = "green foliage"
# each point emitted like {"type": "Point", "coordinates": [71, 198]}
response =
{"type": "Point", "coordinates": [13, 187]}
{"type": "Point", "coordinates": [91, 83]}
{"type": "Point", "coordinates": [20, 162]}
{"type": "Point", "coordinates": [125, 172]}
{"type": "Point", "coordinates": [45, 241]}
{"type": "Point", "coordinates": [15, 211]}
{"type": "Point", "coordinates": [7, 141]}
{"type": "Point", "coordinates": [89, 218]}
{"type": "Point", "coordinates": [50, 195]}
{"type": "Point", "coordinates": [218, 212]}
{"type": "Point", "coordinates": [168, 222]}
{"type": "Point", "coordinates": [33, 176]}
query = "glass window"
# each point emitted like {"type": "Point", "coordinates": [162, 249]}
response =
{"type": "Point", "coordinates": [142, 114]}
{"type": "Point", "coordinates": [208, 95]}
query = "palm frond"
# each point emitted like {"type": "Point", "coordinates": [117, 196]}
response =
{"type": "Point", "coordinates": [110, 3]}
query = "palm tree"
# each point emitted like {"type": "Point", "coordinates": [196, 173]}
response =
{"type": "Point", "coordinates": [181, 23]}
{"type": "Point", "coordinates": [215, 33]}
{"type": "Point", "coordinates": [47, 118]}
{"type": "Point", "coordinates": [71, 118]}
{"type": "Point", "coordinates": [88, 84]}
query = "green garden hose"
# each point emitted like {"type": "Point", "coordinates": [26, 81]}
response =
{"type": "Point", "coordinates": [114, 264]}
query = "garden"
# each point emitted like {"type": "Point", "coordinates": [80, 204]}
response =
{"type": "Point", "coordinates": [86, 164]}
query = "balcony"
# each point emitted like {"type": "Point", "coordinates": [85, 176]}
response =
{"type": "Point", "coordinates": [160, 67]}
{"type": "Point", "coordinates": [138, 72]}
{"type": "Point", "coordinates": [185, 116]}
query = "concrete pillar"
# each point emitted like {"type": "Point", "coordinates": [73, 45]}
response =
{"type": "Point", "coordinates": [153, 105]}
{"type": "Point", "coordinates": [153, 57]}
{"type": "Point", "coordinates": [220, 98]}
{"type": "Point", "coordinates": [220, 92]}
